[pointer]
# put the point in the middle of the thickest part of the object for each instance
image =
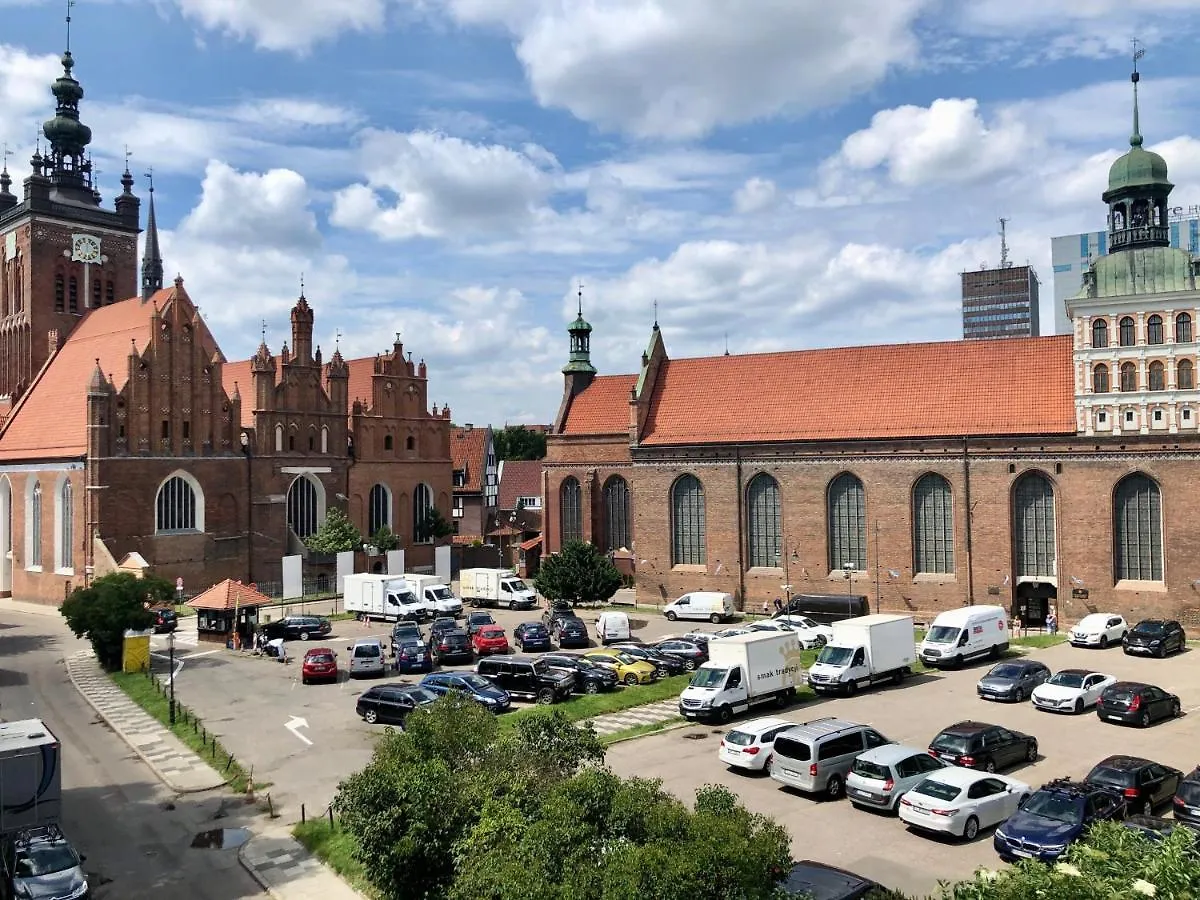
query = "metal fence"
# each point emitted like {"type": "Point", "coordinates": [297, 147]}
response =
{"type": "Point", "coordinates": [319, 587]}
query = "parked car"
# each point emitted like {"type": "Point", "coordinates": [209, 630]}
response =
{"type": "Point", "coordinates": [451, 647]}
{"type": "Point", "coordinates": [490, 639]}
{"type": "Point", "coordinates": [1186, 804]}
{"type": "Point", "coordinates": [960, 801]}
{"type": "Point", "coordinates": [699, 638]}
{"type": "Point", "coordinates": [690, 652]}
{"type": "Point", "coordinates": [812, 634]}
{"type": "Point", "coordinates": [391, 703]}
{"type": "Point", "coordinates": [412, 657]}
{"type": "Point", "coordinates": [40, 863]}
{"type": "Point", "coordinates": [1071, 690]}
{"type": "Point", "coordinates": [366, 657]}
{"type": "Point", "coordinates": [442, 625]}
{"type": "Point", "coordinates": [531, 636]}
{"type": "Point", "coordinates": [749, 746]}
{"type": "Point", "coordinates": [978, 745]}
{"type": "Point", "coordinates": [664, 664]}
{"type": "Point", "coordinates": [471, 685]}
{"type": "Point", "coordinates": [571, 632]}
{"type": "Point", "coordinates": [808, 879]}
{"type": "Point", "coordinates": [880, 777]}
{"type": "Point", "coordinates": [1145, 785]}
{"type": "Point", "coordinates": [1138, 704]}
{"type": "Point", "coordinates": [1014, 680]}
{"type": "Point", "coordinates": [1155, 637]}
{"type": "Point", "coordinates": [1157, 828]}
{"type": "Point", "coordinates": [631, 671]}
{"type": "Point", "coordinates": [292, 628]}
{"type": "Point", "coordinates": [729, 632]}
{"type": "Point", "coordinates": [477, 620]}
{"type": "Point", "coordinates": [1098, 630]}
{"type": "Point", "coordinates": [816, 756]}
{"type": "Point", "coordinates": [589, 677]}
{"type": "Point", "coordinates": [528, 678]}
{"type": "Point", "coordinates": [1054, 816]}
{"type": "Point", "coordinates": [166, 619]}
{"type": "Point", "coordinates": [407, 632]}
{"type": "Point", "coordinates": [556, 612]}
{"type": "Point", "coordinates": [320, 664]}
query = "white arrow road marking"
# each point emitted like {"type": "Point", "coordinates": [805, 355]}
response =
{"type": "Point", "coordinates": [178, 664]}
{"type": "Point", "coordinates": [294, 724]}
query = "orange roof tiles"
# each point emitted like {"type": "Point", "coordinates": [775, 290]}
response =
{"type": "Point", "coordinates": [229, 594]}
{"type": "Point", "coordinates": [238, 374]}
{"type": "Point", "coordinates": [468, 451]}
{"type": "Point", "coordinates": [603, 408]}
{"type": "Point", "coordinates": [519, 478]}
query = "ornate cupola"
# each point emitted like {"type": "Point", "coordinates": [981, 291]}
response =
{"type": "Point", "coordinates": [68, 137]}
{"type": "Point", "coordinates": [581, 339]}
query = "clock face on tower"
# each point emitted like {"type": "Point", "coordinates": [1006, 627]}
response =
{"type": "Point", "coordinates": [85, 248]}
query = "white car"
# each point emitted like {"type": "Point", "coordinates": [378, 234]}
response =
{"type": "Point", "coordinates": [1071, 690]}
{"type": "Point", "coordinates": [960, 801]}
{"type": "Point", "coordinates": [730, 632]}
{"type": "Point", "coordinates": [812, 634]}
{"type": "Point", "coordinates": [1098, 630]}
{"type": "Point", "coordinates": [749, 745]}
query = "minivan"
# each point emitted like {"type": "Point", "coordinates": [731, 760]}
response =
{"type": "Point", "coordinates": [828, 608]}
{"type": "Point", "coordinates": [711, 605]}
{"type": "Point", "coordinates": [612, 627]}
{"type": "Point", "coordinates": [366, 657]}
{"type": "Point", "coordinates": [968, 632]}
{"type": "Point", "coordinates": [816, 757]}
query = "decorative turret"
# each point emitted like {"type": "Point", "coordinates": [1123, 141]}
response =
{"type": "Point", "coordinates": [302, 329]}
{"type": "Point", "coordinates": [129, 205]}
{"type": "Point", "coordinates": [152, 263]}
{"type": "Point", "coordinates": [581, 357]}
{"type": "Point", "coordinates": [339, 381]}
{"type": "Point", "coordinates": [68, 137]}
{"type": "Point", "coordinates": [262, 374]}
{"type": "Point", "coordinates": [7, 198]}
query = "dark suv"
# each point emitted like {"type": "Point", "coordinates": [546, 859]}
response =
{"type": "Point", "coordinates": [1155, 637]}
{"type": "Point", "coordinates": [1145, 785]}
{"type": "Point", "coordinates": [528, 678]}
{"type": "Point", "coordinates": [559, 609]}
{"type": "Point", "coordinates": [452, 647]}
{"type": "Point", "coordinates": [1187, 799]}
{"type": "Point", "coordinates": [1055, 815]}
{"type": "Point", "coordinates": [977, 745]}
{"type": "Point", "coordinates": [589, 677]}
{"type": "Point", "coordinates": [292, 628]}
{"type": "Point", "coordinates": [571, 632]}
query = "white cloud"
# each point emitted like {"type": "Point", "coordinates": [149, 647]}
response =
{"type": "Point", "coordinates": [24, 95]}
{"type": "Point", "coordinates": [756, 195]}
{"type": "Point", "coordinates": [253, 209]}
{"type": "Point", "coordinates": [291, 112]}
{"type": "Point", "coordinates": [285, 24]}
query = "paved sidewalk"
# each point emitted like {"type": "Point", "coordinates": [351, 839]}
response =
{"type": "Point", "coordinates": [649, 714]}
{"type": "Point", "coordinates": [288, 872]}
{"type": "Point", "coordinates": [34, 609]}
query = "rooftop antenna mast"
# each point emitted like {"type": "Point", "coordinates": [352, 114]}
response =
{"type": "Point", "coordinates": [1004, 261]}
{"type": "Point", "coordinates": [70, 3]}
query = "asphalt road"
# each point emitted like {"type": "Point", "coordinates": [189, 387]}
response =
{"type": "Point", "coordinates": [135, 833]}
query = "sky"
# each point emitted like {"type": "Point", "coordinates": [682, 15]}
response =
{"type": "Point", "coordinates": [773, 174]}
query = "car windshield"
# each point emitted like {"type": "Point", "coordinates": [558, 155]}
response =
{"type": "Point", "coordinates": [864, 768]}
{"type": "Point", "coordinates": [1059, 807]}
{"type": "Point", "coordinates": [1112, 777]}
{"type": "Point", "coordinates": [421, 695]}
{"type": "Point", "coordinates": [446, 624]}
{"type": "Point", "coordinates": [516, 585]}
{"type": "Point", "coordinates": [535, 630]}
{"type": "Point", "coordinates": [476, 682]}
{"type": "Point", "coordinates": [942, 634]}
{"type": "Point", "coordinates": [44, 860]}
{"type": "Point", "coordinates": [1006, 670]}
{"type": "Point", "coordinates": [739, 739]}
{"type": "Point", "coordinates": [492, 632]}
{"type": "Point", "coordinates": [441, 593]}
{"type": "Point", "coordinates": [939, 790]}
{"type": "Point", "coordinates": [951, 743]}
{"type": "Point", "coordinates": [406, 631]}
{"type": "Point", "coordinates": [406, 598]}
{"type": "Point", "coordinates": [481, 619]}
{"type": "Point", "coordinates": [1068, 679]}
{"type": "Point", "coordinates": [708, 678]}
{"type": "Point", "coordinates": [320, 657]}
{"type": "Point", "coordinates": [625, 658]}
{"type": "Point", "coordinates": [836, 656]}
{"type": "Point", "coordinates": [1149, 628]}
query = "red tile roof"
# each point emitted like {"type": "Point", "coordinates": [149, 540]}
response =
{"type": "Point", "coordinates": [468, 450]}
{"type": "Point", "coordinates": [50, 420]}
{"type": "Point", "coordinates": [603, 408]}
{"type": "Point", "coordinates": [466, 539]}
{"type": "Point", "coordinates": [358, 385]}
{"type": "Point", "coordinates": [229, 594]}
{"type": "Point", "coordinates": [519, 478]}
{"type": "Point", "coordinates": [238, 373]}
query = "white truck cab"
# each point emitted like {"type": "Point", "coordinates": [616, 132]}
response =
{"type": "Point", "coordinates": [496, 587]}
{"type": "Point", "coordinates": [743, 671]}
{"type": "Point", "coordinates": [436, 594]}
{"type": "Point", "coordinates": [864, 651]}
{"type": "Point", "coordinates": [969, 632]}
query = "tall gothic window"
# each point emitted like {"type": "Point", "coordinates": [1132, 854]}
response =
{"type": "Point", "coordinates": [1128, 377]}
{"type": "Point", "coordinates": [303, 507]}
{"type": "Point", "coordinates": [60, 293]}
{"type": "Point", "coordinates": [35, 525]}
{"type": "Point", "coordinates": [1183, 328]}
{"type": "Point", "coordinates": [176, 505]}
{"type": "Point", "coordinates": [847, 522]}
{"type": "Point", "coordinates": [1127, 336]}
{"type": "Point", "coordinates": [933, 525]}
{"type": "Point", "coordinates": [1100, 333]}
{"type": "Point", "coordinates": [109, 293]}
{"type": "Point", "coordinates": [570, 510]}
{"type": "Point", "coordinates": [66, 527]}
{"type": "Point", "coordinates": [1158, 376]}
{"type": "Point", "coordinates": [1185, 375]}
{"type": "Point", "coordinates": [1154, 330]}
{"type": "Point", "coordinates": [764, 521]}
{"type": "Point", "coordinates": [422, 505]}
{"type": "Point", "coordinates": [379, 508]}
{"type": "Point", "coordinates": [1137, 529]}
{"type": "Point", "coordinates": [616, 513]}
{"type": "Point", "coordinates": [1034, 526]}
{"type": "Point", "coordinates": [1100, 379]}
{"type": "Point", "coordinates": [72, 294]}
{"type": "Point", "coordinates": [688, 525]}
{"type": "Point", "coordinates": [97, 293]}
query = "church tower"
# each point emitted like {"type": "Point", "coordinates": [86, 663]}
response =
{"type": "Point", "coordinates": [579, 372]}
{"type": "Point", "coordinates": [61, 252]}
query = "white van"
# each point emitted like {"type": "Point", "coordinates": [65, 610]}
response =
{"type": "Point", "coordinates": [711, 605]}
{"type": "Point", "coordinates": [965, 633]}
{"type": "Point", "coordinates": [612, 627]}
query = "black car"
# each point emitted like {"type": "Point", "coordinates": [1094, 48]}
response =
{"type": "Point", "coordinates": [391, 703]}
{"type": "Point", "coordinates": [816, 880]}
{"type": "Point", "coordinates": [977, 745]}
{"type": "Point", "coordinates": [558, 609]}
{"type": "Point", "coordinates": [477, 620]}
{"type": "Point", "coordinates": [1055, 815]}
{"type": "Point", "coordinates": [1138, 704]}
{"type": "Point", "coordinates": [1145, 785]}
{"type": "Point", "coordinates": [292, 628]}
{"type": "Point", "coordinates": [165, 620]}
{"type": "Point", "coordinates": [407, 632]}
{"type": "Point", "coordinates": [451, 647]}
{"type": "Point", "coordinates": [571, 632]}
{"type": "Point", "coordinates": [663, 664]}
{"type": "Point", "coordinates": [589, 677]}
{"type": "Point", "coordinates": [528, 678]}
{"type": "Point", "coordinates": [441, 625]}
{"type": "Point", "coordinates": [1155, 637]}
{"type": "Point", "coordinates": [1187, 799]}
{"type": "Point", "coordinates": [531, 636]}
{"type": "Point", "coordinates": [691, 653]}
{"type": "Point", "coordinates": [468, 684]}
{"type": "Point", "coordinates": [1013, 680]}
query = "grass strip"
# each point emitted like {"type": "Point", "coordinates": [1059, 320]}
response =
{"type": "Point", "coordinates": [588, 706]}
{"type": "Point", "coordinates": [335, 848]}
{"type": "Point", "coordinates": [1038, 641]}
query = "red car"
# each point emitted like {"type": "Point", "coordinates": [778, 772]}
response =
{"type": "Point", "coordinates": [320, 664]}
{"type": "Point", "coordinates": [490, 639]}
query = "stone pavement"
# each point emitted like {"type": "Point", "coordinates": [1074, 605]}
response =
{"type": "Point", "coordinates": [650, 714]}
{"type": "Point", "coordinates": [287, 871]}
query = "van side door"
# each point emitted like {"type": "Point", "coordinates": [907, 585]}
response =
{"type": "Point", "coordinates": [736, 689]}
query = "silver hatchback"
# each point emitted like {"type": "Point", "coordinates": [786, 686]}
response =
{"type": "Point", "coordinates": [367, 657]}
{"type": "Point", "coordinates": [880, 777]}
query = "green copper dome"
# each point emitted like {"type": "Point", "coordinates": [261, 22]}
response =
{"type": "Point", "coordinates": [1137, 168]}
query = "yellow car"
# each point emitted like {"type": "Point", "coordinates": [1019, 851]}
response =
{"type": "Point", "coordinates": [629, 669]}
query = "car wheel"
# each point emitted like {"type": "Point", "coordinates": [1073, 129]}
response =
{"type": "Point", "coordinates": [768, 762]}
{"type": "Point", "coordinates": [1159, 652]}
{"type": "Point", "coordinates": [304, 635]}
{"type": "Point", "coordinates": [631, 680]}
{"type": "Point", "coordinates": [724, 714]}
{"type": "Point", "coordinates": [851, 688]}
{"type": "Point", "coordinates": [1031, 752]}
{"type": "Point", "coordinates": [1104, 642]}
{"type": "Point", "coordinates": [782, 699]}
{"type": "Point", "coordinates": [1144, 719]}
{"type": "Point", "coordinates": [1176, 710]}
{"type": "Point", "coordinates": [690, 665]}
{"type": "Point", "coordinates": [958, 662]}
{"type": "Point", "coordinates": [671, 617]}
{"type": "Point", "coordinates": [971, 829]}
{"type": "Point", "coordinates": [591, 687]}
{"type": "Point", "coordinates": [370, 717]}
{"type": "Point", "coordinates": [833, 787]}
{"type": "Point", "coordinates": [820, 641]}
{"type": "Point", "coordinates": [545, 697]}
{"type": "Point", "coordinates": [303, 680]}
{"type": "Point", "coordinates": [990, 767]}
{"type": "Point", "coordinates": [1079, 706]}
{"type": "Point", "coordinates": [715, 619]}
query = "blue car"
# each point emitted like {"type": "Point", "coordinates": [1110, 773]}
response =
{"type": "Point", "coordinates": [412, 656]}
{"type": "Point", "coordinates": [477, 688]}
{"type": "Point", "coordinates": [1055, 815]}
{"type": "Point", "coordinates": [530, 636]}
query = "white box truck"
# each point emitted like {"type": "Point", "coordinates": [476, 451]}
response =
{"type": "Point", "coordinates": [495, 587]}
{"type": "Point", "coordinates": [968, 632]}
{"type": "Point", "coordinates": [386, 597]}
{"type": "Point", "coordinates": [743, 671]}
{"type": "Point", "coordinates": [436, 594]}
{"type": "Point", "coordinates": [864, 651]}
{"type": "Point", "coordinates": [30, 775]}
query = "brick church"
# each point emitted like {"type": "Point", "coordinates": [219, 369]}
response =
{"type": "Point", "coordinates": [1027, 472]}
{"type": "Point", "coordinates": [126, 431]}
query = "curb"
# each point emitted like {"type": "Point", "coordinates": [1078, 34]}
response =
{"type": "Point", "coordinates": [277, 893]}
{"type": "Point", "coordinates": [668, 726]}
{"type": "Point", "coordinates": [137, 750]}
{"type": "Point", "coordinates": [253, 872]}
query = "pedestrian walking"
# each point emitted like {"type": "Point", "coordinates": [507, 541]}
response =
{"type": "Point", "coordinates": [766, 608]}
{"type": "Point", "coordinates": [1052, 621]}
{"type": "Point", "coordinates": [778, 606]}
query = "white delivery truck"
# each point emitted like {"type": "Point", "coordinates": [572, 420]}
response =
{"type": "Point", "coordinates": [711, 605]}
{"type": "Point", "coordinates": [968, 632]}
{"type": "Point", "coordinates": [387, 597]}
{"type": "Point", "coordinates": [743, 671]}
{"type": "Point", "coordinates": [495, 587]}
{"type": "Point", "coordinates": [436, 594]}
{"type": "Point", "coordinates": [30, 775]}
{"type": "Point", "coordinates": [864, 651]}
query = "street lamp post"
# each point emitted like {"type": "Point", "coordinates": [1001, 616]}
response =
{"type": "Point", "coordinates": [848, 568]}
{"type": "Point", "coordinates": [171, 651]}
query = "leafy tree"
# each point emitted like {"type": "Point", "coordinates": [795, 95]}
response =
{"type": "Point", "coordinates": [110, 605]}
{"type": "Point", "coordinates": [337, 534]}
{"type": "Point", "coordinates": [384, 539]}
{"type": "Point", "coordinates": [578, 572]}
{"type": "Point", "coordinates": [519, 442]}
{"type": "Point", "coordinates": [433, 526]}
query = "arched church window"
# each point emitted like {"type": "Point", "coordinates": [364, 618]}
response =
{"type": "Point", "coordinates": [1185, 375]}
{"type": "Point", "coordinates": [1183, 328]}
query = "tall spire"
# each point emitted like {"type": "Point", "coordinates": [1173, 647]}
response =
{"type": "Point", "coordinates": [67, 136]}
{"type": "Point", "coordinates": [1135, 139]}
{"type": "Point", "coordinates": [152, 264]}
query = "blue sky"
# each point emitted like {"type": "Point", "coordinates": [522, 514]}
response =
{"type": "Point", "coordinates": [787, 173]}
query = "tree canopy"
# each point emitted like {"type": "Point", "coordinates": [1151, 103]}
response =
{"type": "Point", "coordinates": [337, 534]}
{"type": "Point", "coordinates": [519, 442]}
{"type": "Point", "coordinates": [110, 605]}
{"type": "Point", "coordinates": [579, 572]}
{"type": "Point", "coordinates": [433, 526]}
